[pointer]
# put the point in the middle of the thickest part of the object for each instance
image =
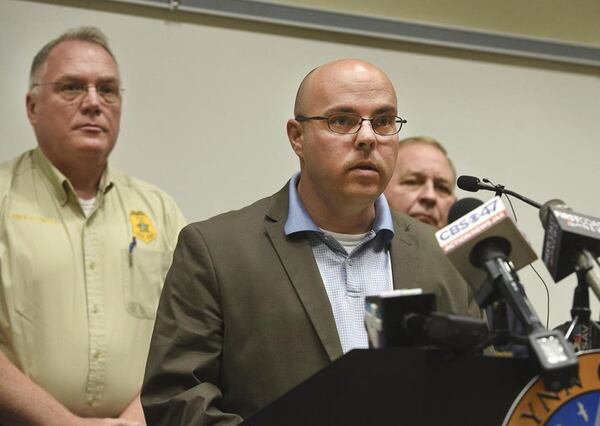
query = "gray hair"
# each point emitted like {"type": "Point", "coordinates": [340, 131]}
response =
{"type": "Point", "coordinates": [87, 34]}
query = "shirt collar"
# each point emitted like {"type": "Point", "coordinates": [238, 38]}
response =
{"type": "Point", "coordinates": [299, 220]}
{"type": "Point", "coordinates": [60, 183]}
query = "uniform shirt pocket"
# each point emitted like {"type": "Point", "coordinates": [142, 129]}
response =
{"type": "Point", "coordinates": [144, 274]}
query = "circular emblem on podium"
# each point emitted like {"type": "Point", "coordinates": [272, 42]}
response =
{"type": "Point", "coordinates": [578, 405]}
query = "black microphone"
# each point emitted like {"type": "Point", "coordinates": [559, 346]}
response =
{"type": "Point", "coordinates": [480, 244]}
{"type": "Point", "coordinates": [385, 313]}
{"type": "Point", "coordinates": [473, 184]}
{"type": "Point", "coordinates": [470, 222]}
{"type": "Point", "coordinates": [447, 331]}
{"type": "Point", "coordinates": [571, 243]}
{"type": "Point", "coordinates": [401, 318]}
{"type": "Point", "coordinates": [486, 240]}
{"type": "Point", "coordinates": [462, 207]}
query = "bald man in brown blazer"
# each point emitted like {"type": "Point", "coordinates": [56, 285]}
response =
{"type": "Point", "coordinates": [251, 307]}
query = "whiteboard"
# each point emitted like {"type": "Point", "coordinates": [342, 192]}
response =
{"type": "Point", "coordinates": [207, 100]}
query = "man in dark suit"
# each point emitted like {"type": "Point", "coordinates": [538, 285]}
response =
{"type": "Point", "coordinates": [259, 299]}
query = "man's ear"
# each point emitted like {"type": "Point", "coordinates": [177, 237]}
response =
{"type": "Point", "coordinates": [31, 106]}
{"type": "Point", "coordinates": [296, 136]}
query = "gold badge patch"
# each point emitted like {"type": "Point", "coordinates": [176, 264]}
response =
{"type": "Point", "coordinates": [142, 226]}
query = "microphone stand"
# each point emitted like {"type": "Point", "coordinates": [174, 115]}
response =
{"type": "Point", "coordinates": [491, 300]}
{"type": "Point", "coordinates": [501, 337]}
{"type": "Point", "coordinates": [582, 331]}
{"type": "Point", "coordinates": [557, 361]}
{"type": "Point", "coordinates": [500, 189]}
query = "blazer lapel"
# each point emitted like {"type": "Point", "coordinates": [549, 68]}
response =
{"type": "Point", "coordinates": [297, 259]}
{"type": "Point", "coordinates": [406, 270]}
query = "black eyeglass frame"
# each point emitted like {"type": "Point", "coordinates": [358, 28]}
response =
{"type": "Point", "coordinates": [399, 120]}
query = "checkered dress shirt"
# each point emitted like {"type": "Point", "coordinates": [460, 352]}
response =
{"type": "Point", "coordinates": [348, 277]}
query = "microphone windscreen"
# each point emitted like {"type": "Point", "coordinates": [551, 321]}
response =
{"type": "Point", "coordinates": [461, 238]}
{"type": "Point", "coordinates": [386, 317]}
{"type": "Point", "coordinates": [468, 183]}
{"type": "Point", "coordinates": [462, 207]}
{"type": "Point", "coordinates": [567, 233]}
{"type": "Point", "coordinates": [545, 210]}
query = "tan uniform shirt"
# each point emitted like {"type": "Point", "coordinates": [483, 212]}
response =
{"type": "Point", "coordinates": [78, 295]}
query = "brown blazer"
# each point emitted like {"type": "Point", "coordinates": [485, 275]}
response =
{"type": "Point", "coordinates": [244, 316]}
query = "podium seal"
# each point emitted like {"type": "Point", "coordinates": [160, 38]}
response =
{"type": "Point", "coordinates": [577, 405]}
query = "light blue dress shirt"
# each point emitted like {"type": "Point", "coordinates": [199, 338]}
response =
{"type": "Point", "coordinates": [348, 277]}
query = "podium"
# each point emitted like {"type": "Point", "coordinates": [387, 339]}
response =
{"type": "Point", "coordinates": [403, 386]}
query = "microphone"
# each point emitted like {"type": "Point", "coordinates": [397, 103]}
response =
{"type": "Point", "coordinates": [473, 184]}
{"type": "Point", "coordinates": [401, 318]}
{"type": "Point", "coordinates": [385, 313]}
{"type": "Point", "coordinates": [479, 245]}
{"type": "Point", "coordinates": [571, 243]}
{"type": "Point", "coordinates": [452, 332]}
{"type": "Point", "coordinates": [462, 207]}
{"type": "Point", "coordinates": [471, 222]}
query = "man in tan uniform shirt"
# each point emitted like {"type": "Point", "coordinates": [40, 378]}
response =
{"type": "Point", "coordinates": [83, 250]}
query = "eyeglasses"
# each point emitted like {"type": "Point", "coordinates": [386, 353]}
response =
{"type": "Point", "coordinates": [110, 92]}
{"type": "Point", "coordinates": [347, 124]}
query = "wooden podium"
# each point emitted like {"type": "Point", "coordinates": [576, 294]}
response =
{"type": "Point", "coordinates": [403, 386]}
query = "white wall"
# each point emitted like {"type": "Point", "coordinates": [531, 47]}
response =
{"type": "Point", "coordinates": [207, 99]}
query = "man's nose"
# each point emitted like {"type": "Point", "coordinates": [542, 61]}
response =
{"type": "Point", "coordinates": [428, 195]}
{"type": "Point", "coordinates": [91, 100]}
{"type": "Point", "coordinates": [366, 138]}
